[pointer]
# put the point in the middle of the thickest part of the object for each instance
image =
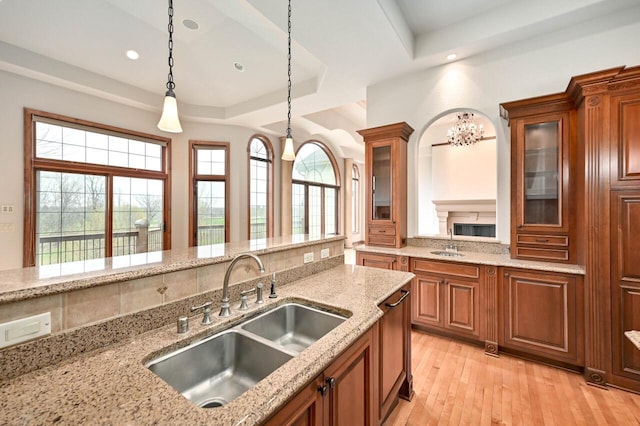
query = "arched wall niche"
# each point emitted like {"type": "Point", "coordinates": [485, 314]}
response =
{"type": "Point", "coordinates": [457, 185]}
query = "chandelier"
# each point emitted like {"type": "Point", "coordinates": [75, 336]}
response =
{"type": "Point", "coordinates": [465, 132]}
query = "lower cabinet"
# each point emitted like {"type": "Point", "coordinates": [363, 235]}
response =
{"type": "Point", "coordinates": [342, 395]}
{"type": "Point", "coordinates": [394, 354]}
{"type": "Point", "coordinates": [542, 314]}
{"type": "Point", "coordinates": [446, 297]}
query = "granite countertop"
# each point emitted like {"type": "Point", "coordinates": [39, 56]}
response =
{"type": "Point", "coordinates": [112, 385]}
{"type": "Point", "coordinates": [477, 258]}
{"type": "Point", "coordinates": [25, 283]}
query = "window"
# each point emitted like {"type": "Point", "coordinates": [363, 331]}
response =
{"type": "Point", "coordinates": [92, 191]}
{"type": "Point", "coordinates": [209, 194]}
{"type": "Point", "coordinates": [260, 188]}
{"type": "Point", "coordinates": [355, 200]}
{"type": "Point", "coordinates": [314, 209]}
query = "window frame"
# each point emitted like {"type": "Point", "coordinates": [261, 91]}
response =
{"type": "Point", "coordinates": [33, 164]}
{"type": "Point", "coordinates": [194, 145]}
{"type": "Point", "coordinates": [355, 199]}
{"type": "Point", "coordinates": [322, 186]}
{"type": "Point", "coordinates": [269, 161]}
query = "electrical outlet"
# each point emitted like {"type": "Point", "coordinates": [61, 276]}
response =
{"type": "Point", "coordinates": [324, 253]}
{"type": "Point", "coordinates": [14, 332]}
{"type": "Point", "coordinates": [7, 208]}
{"type": "Point", "coordinates": [308, 257]}
{"type": "Point", "coordinates": [7, 227]}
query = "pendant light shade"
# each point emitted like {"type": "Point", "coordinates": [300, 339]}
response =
{"type": "Point", "coordinates": [169, 121]}
{"type": "Point", "coordinates": [288, 153]}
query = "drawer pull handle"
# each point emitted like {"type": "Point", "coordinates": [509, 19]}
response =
{"type": "Point", "coordinates": [405, 293]}
{"type": "Point", "coordinates": [542, 240]}
{"type": "Point", "coordinates": [382, 231]}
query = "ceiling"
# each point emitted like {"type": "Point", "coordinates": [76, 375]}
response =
{"type": "Point", "coordinates": [339, 48]}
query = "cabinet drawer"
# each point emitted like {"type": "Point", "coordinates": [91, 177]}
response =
{"type": "Point", "coordinates": [550, 255]}
{"type": "Point", "coordinates": [547, 240]}
{"type": "Point", "coordinates": [382, 240]}
{"type": "Point", "coordinates": [446, 268]}
{"type": "Point", "coordinates": [382, 230]}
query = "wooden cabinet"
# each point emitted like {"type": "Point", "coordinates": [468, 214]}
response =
{"type": "Point", "coordinates": [382, 261]}
{"type": "Point", "coordinates": [386, 184]}
{"type": "Point", "coordinates": [542, 314]}
{"type": "Point", "coordinates": [394, 353]}
{"type": "Point", "coordinates": [446, 297]}
{"type": "Point", "coordinates": [342, 395]}
{"type": "Point", "coordinates": [543, 161]}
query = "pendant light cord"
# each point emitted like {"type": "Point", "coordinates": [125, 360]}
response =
{"type": "Point", "coordinates": [289, 75]}
{"type": "Point", "coordinates": [170, 84]}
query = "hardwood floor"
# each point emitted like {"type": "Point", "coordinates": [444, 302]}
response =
{"type": "Point", "coordinates": [456, 383]}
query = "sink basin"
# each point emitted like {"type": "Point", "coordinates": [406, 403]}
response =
{"type": "Point", "coordinates": [292, 326]}
{"type": "Point", "coordinates": [216, 370]}
{"type": "Point", "coordinates": [447, 253]}
{"type": "Point", "coordinates": [213, 371]}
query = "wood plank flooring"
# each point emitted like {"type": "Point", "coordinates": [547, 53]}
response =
{"type": "Point", "coordinates": [457, 384]}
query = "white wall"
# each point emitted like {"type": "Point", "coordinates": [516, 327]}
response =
{"type": "Point", "coordinates": [537, 67]}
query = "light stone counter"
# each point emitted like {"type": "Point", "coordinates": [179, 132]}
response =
{"type": "Point", "coordinates": [476, 257]}
{"type": "Point", "coordinates": [112, 386]}
{"type": "Point", "coordinates": [27, 283]}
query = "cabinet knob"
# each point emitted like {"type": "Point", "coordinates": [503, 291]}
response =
{"type": "Point", "coordinates": [506, 275]}
{"type": "Point", "coordinates": [331, 381]}
{"type": "Point", "coordinates": [323, 390]}
{"type": "Point", "coordinates": [519, 226]}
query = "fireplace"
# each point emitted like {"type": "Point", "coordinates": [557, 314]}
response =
{"type": "Point", "coordinates": [474, 218]}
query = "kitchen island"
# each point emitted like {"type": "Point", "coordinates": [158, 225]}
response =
{"type": "Point", "coordinates": [111, 385]}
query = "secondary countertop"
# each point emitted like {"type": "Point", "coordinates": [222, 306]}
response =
{"type": "Point", "coordinates": [112, 385]}
{"type": "Point", "coordinates": [476, 257]}
{"type": "Point", "coordinates": [26, 283]}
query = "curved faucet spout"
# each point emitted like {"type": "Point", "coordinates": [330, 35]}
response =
{"type": "Point", "coordinates": [224, 308]}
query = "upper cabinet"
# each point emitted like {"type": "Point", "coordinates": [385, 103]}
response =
{"type": "Point", "coordinates": [386, 184]}
{"type": "Point", "coordinates": [543, 161]}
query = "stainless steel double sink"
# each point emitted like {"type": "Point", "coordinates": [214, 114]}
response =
{"type": "Point", "coordinates": [217, 369]}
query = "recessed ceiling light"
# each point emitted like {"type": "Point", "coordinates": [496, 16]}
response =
{"type": "Point", "coordinates": [238, 66]}
{"type": "Point", "coordinates": [133, 55]}
{"type": "Point", "coordinates": [191, 24]}
{"type": "Point", "coordinates": [451, 56]}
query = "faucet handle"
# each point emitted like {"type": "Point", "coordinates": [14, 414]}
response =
{"type": "Point", "coordinates": [206, 307]}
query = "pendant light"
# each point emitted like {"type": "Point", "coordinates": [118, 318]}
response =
{"type": "Point", "coordinates": [288, 154]}
{"type": "Point", "coordinates": [169, 121]}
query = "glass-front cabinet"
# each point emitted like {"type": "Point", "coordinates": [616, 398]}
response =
{"type": "Point", "coordinates": [542, 160]}
{"type": "Point", "coordinates": [386, 184]}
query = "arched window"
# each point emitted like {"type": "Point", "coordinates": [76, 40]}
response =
{"type": "Point", "coordinates": [314, 191]}
{"type": "Point", "coordinates": [355, 200]}
{"type": "Point", "coordinates": [260, 191]}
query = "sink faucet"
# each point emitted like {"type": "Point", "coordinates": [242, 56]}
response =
{"type": "Point", "coordinates": [224, 309]}
{"type": "Point", "coordinates": [451, 246]}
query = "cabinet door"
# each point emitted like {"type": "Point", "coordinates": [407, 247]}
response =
{"type": "Point", "coordinates": [625, 140]}
{"type": "Point", "coordinates": [543, 314]}
{"type": "Point", "coordinates": [304, 409]}
{"type": "Point", "coordinates": [381, 181]}
{"type": "Point", "coordinates": [350, 382]}
{"type": "Point", "coordinates": [394, 344]}
{"type": "Point", "coordinates": [542, 173]}
{"type": "Point", "coordinates": [462, 305]}
{"type": "Point", "coordinates": [427, 300]}
{"type": "Point", "coordinates": [625, 284]}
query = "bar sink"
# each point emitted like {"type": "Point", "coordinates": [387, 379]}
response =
{"type": "Point", "coordinates": [293, 327]}
{"type": "Point", "coordinates": [447, 253]}
{"type": "Point", "coordinates": [216, 370]}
